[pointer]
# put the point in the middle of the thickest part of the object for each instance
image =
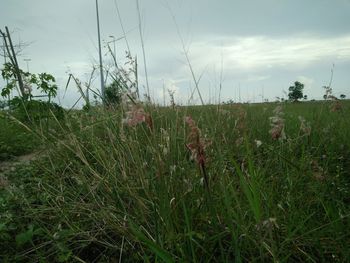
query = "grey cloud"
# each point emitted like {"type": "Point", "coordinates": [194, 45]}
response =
{"type": "Point", "coordinates": [267, 43]}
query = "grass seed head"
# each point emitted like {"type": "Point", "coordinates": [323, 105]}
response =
{"type": "Point", "coordinates": [196, 144]}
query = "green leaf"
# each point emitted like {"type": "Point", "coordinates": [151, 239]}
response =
{"type": "Point", "coordinates": [3, 227]}
{"type": "Point", "coordinates": [64, 256]}
{"type": "Point", "coordinates": [25, 237]}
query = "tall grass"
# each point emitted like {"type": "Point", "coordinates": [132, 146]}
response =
{"type": "Point", "coordinates": [105, 191]}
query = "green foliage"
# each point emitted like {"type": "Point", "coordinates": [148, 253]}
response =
{"type": "Point", "coordinates": [14, 139]}
{"type": "Point", "coordinates": [44, 82]}
{"type": "Point", "coordinates": [113, 93]}
{"type": "Point", "coordinates": [35, 110]}
{"type": "Point", "coordinates": [16, 232]}
{"type": "Point", "coordinates": [25, 237]}
{"type": "Point", "coordinates": [19, 125]}
{"type": "Point", "coordinates": [3, 104]}
{"type": "Point", "coordinates": [342, 96]}
{"type": "Point", "coordinates": [296, 91]}
{"type": "Point", "coordinates": [158, 251]}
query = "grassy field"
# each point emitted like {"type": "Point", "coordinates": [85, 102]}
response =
{"type": "Point", "coordinates": [236, 183]}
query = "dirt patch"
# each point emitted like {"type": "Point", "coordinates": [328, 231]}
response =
{"type": "Point", "coordinates": [6, 166]}
{"type": "Point", "coordinates": [10, 166]}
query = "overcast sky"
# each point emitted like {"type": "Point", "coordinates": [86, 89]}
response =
{"type": "Point", "coordinates": [262, 46]}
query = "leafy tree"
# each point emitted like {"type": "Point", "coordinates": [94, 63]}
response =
{"type": "Point", "coordinates": [342, 96]}
{"type": "Point", "coordinates": [305, 97]}
{"type": "Point", "coordinates": [43, 81]}
{"type": "Point", "coordinates": [22, 106]}
{"type": "Point", "coordinates": [325, 96]}
{"type": "Point", "coordinates": [296, 91]}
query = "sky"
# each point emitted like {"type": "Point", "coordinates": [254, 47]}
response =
{"type": "Point", "coordinates": [253, 49]}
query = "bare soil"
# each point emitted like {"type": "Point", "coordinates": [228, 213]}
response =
{"type": "Point", "coordinates": [10, 166]}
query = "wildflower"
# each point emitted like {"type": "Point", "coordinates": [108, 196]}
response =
{"type": "Point", "coordinates": [149, 121]}
{"type": "Point", "coordinates": [277, 124]}
{"type": "Point", "coordinates": [317, 171]}
{"type": "Point", "coordinates": [277, 130]}
{"type": "Point", "coordinates": [268, 224]}
{"type": "Point", "coordinates": [258, 143]}
{"type": "Point", "coordinates": [336, 106]}
{"type": "Point", "coordinates": [165, 138]}
{"type": "Point", "coordinates": [137, 115]}
{"type": "Point", "coordinates": [278, 111]}
{"type": "Point", "coordinates": [305, 127]}
{"type": "Point", "coordinates": [196, 144]}
{"type": "Point", "coordinates": [240, 122]}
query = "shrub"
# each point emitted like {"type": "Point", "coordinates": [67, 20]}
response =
{"type": "Point", "coordinates": [35, 110]}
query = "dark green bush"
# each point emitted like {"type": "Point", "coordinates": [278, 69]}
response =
{"type": "Point", "coordinates": [35, 110]}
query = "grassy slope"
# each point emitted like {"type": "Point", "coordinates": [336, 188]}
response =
{"type": "Point", "coordinates": [15, 140]}
{"type": "Point", "coordinates": [103, 193]}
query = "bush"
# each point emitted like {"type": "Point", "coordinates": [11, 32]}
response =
{"type": "Point", "coordinates": [35, 110]}
{"type": "Point", "coordinates": [15, 140]}
{"type": "Point", "coordinates": [113, 93]}
{"type": "Point", "coordinates": [3, 105]}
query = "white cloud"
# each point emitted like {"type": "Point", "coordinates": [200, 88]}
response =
{"type": "Point", "coordinates": [174, 86]}
{"type": "Point", "coordinates": [261, 52]}
{"type": "Point", "coordinates": [306, 81]}
{"type": "Point", "coordinates": [254, 78]}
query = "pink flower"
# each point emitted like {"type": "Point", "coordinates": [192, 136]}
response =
{"type": "Point", "coordinates": [336, 106]}
{"type": "Point", "coordinates": [277, 124]}
{"type": "Point", "coordinates": [137, 115]}
{"type": "Point", "coordinates": [196, 144]}
{"type": "Point", "coordinates": [305, 127]}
